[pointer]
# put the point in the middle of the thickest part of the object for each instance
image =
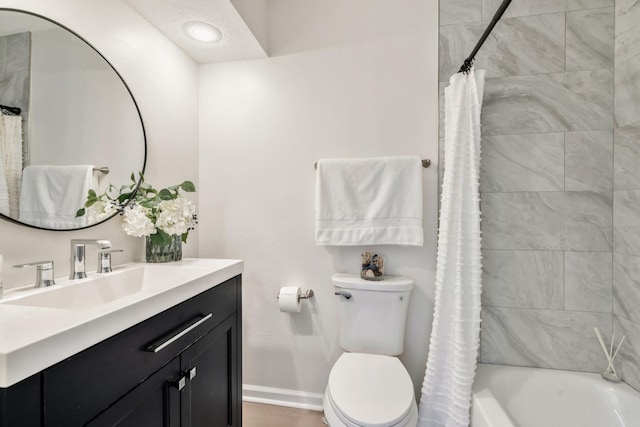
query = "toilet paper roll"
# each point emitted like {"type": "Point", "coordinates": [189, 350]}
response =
{"type": "Point", "coordinates": [289, 299]}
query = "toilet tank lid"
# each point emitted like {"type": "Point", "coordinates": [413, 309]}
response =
{"type": "Point", "coordinates": [390, 283]}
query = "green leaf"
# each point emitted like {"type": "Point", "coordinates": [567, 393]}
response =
{"type": "Point", "coordinates": [80, 212]}
{"type": "Point", "coordinates": [165, 194]}
{"type": "Point", "coordinates": [133, 177]}
{"type": "Point", "coordinates": [160, 238]}
{"type": "Point", "coordinates": [188, 186]}
{"type": "Point", "coordinates": [147, 204]}
{"type": "Point", "coordinates": [92, 193]}
{"type": "Point", "coordinates": [90, 202]}
{"type": "Point", "coordinates": [124, 197]}
{"type": "Point", "coordinates": [184, 237]}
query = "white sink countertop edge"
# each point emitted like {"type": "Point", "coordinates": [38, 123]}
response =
{"type": "Point", "coordinates": [35, 338]}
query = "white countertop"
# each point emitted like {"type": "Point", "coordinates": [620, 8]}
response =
{"type": "Point", "coordinates": [33, 338]}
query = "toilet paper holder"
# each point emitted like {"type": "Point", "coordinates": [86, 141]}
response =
{"type": "Point", "coordinates": [308, 294]}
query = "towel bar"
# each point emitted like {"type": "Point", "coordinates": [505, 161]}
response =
{"type": "Point", "coordinates": [425, 163]}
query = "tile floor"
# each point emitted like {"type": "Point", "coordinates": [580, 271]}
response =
{"type": "Point", "coordinates": [259, 415]}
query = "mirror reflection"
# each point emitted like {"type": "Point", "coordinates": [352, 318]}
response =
{"type": "Point", "coordinates": [68, 123]}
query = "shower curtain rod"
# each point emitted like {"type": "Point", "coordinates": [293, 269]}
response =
{"type": "Point", "coordinates": [13, 110]}
{"type": "Point", "coordinates": [468, 63]}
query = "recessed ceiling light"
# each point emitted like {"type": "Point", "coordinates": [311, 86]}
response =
{"type": "Point", "coordinates": [202, 32]}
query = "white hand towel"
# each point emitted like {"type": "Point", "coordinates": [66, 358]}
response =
{"type": "Point", "coordinates": [369, 201]}
{"type": "Point", "coordinates": [51, 195]}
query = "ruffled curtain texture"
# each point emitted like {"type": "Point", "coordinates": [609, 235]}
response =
{"type": "Point", "coordinates": [455, 336]}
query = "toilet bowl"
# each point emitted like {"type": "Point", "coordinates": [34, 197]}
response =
{"type": "Point", "coordinates": [369, 390]}
{"type": "Point", "coordinates": [368, 385]}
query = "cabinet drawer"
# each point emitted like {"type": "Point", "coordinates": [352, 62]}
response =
{"type": "Point", "coordinates": [77, 389]}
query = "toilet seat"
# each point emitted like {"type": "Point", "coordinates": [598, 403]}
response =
{"type": "Point", "coordinates": [368, 390]}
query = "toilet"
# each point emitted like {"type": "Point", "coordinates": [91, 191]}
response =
{"type": "Point", "coordinates": [368, 386]}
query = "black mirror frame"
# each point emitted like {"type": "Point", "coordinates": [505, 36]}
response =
{"type": "Point", "coordinates": [135, 103]}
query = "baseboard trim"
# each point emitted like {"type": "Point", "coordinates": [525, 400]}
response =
{"type": "Point", "coordinates": [282, 397]}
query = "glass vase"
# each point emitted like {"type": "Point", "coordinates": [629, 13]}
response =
{"type": "Point", "coordinates": [164, 253]}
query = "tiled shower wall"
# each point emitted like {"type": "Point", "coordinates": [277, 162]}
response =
{"type": "Point", "coordinates": [626, 194]}
{"type": "Point", "coordinates": [561, 239]}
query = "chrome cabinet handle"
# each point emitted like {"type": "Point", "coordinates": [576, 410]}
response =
{"type": "Point", "coordinates": [180, 383]}
{"type": "Point", "coordinates": [192, 373]}
{"type": "Point", "coordinates": [157, 346]}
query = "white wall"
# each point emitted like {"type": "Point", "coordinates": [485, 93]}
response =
{"type": "Point", "coordinates": [80, 111]}
{"type": "Point", "coordinates": [164, 81]}
{"type": "Point", "coordinates": [345, 79]}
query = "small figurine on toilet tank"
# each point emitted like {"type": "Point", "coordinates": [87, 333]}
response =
{"type": "Point", "coordinates": [372, 266]}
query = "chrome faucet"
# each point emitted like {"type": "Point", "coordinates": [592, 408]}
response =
{"type": "Point", "coordinates": [44, 272]}
{"type": "Point", "coordinates": [78, 269]}
{"type": "Point", "coordinates": [104, 260]}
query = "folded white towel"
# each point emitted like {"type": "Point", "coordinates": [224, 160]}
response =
{"type": "Point", "coordinates": [370, 201]}
{"type": "Point", "coordinates": [51, 195]}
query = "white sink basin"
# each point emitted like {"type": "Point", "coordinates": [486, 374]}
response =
{"type": "Point", "coordinates": [86, 293]}
{"type": "Point", "coordinates": [41, 327]}
{"type": "Point", "coordinates": [100, 289]}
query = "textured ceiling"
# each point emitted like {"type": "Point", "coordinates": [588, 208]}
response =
{"type": "Point", "coordinates": [168, 16]}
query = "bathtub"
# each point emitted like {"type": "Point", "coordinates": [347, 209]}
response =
{"type": "Point", "coordinates": [508, 396]}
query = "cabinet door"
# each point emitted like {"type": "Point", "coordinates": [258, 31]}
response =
{"type": "Point", "coordinates": [153, 403]}
{"type": "Point", "coordinates": [212, 397]}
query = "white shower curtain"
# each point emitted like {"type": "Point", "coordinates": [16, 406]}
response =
{"type": "Point", "coordinates": [11, 156]}
{"type": "Point", "coordinates": [455, 337]}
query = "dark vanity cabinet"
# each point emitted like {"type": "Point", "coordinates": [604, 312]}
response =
{"type": "Point", "coordinates": [181, 367]}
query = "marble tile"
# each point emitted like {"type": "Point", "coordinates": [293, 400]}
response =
{"type": "Point", "coordinates": [590, 44]}
{"type": "Point", "coordinates": [579, 221]}
{"type": "Point", "coordinates": [626, 173]}
{"type": "Point", "coordinates": [455, 43]}
{"type": "Point", "coordinates": [522, 279]}
{"type": "Point", "coordinates": [18, 52]}
{"type": "Point", "coordinates": [536, 7]}
{"type": "Point", "coordinates": [628, 361]}
{"type": "Point", "coordinates": [457, 11]}
{"type": "Point", "coordinates": [627, 43]}
{"type": "Point", "coordinates": [543, 338]}
{"type": "Point", "coordinates": [588, 161]}
{"type": "Point", "coordinates": [626, 222]}
{"type": "Point", "coordinates": [529, 45]}
{"type": "Point", "coordinates": [626, 287]}
{"type": "Point", "coordinates": [587, 281]}
{"type": "Point", "coordinates": [559, 102]}
{"type": "Point", "coordinates": [627, 87]}
{"type": "Point", "coordinates": [529, 162]}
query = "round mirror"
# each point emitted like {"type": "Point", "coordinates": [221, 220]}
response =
{"type": "Point", "coordinates": [68, 123]}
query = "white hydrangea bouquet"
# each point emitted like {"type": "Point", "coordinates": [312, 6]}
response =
{"type": "Point", "coordinates": [161, 215]}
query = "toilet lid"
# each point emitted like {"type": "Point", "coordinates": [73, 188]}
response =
{"type": "Point", "coordinates": [371, 390]}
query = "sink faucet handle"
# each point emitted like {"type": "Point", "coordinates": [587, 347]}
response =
{"type": "Point", "coordinates": [44, 272]}
{"type": "Point", "coordinates": [104, 260]}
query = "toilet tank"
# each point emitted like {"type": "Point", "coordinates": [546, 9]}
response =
{"type": "Point", "coordinates": [373, 319]}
